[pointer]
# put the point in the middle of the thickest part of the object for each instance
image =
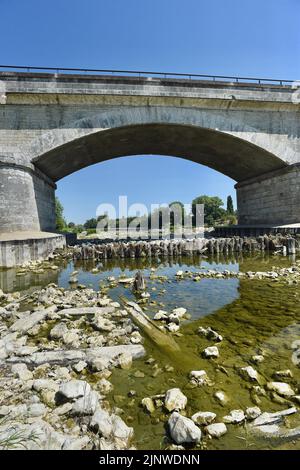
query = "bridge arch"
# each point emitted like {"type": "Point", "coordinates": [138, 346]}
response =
{"type": "Point", "coordinates": [268, 190]}
{"type": "Point", "coordinates": [209, 137]}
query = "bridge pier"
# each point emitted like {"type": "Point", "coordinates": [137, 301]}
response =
{"type": "Point", "coordinates": [270, 199]}
{"type": "Point", "coordinates": [27, 199]}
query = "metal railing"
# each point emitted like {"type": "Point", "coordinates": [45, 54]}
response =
{"type": "Point", "coordinates": [147, 74]}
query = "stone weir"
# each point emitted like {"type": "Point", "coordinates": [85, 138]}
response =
{"type": "Point", "coordinates": [173, 248]}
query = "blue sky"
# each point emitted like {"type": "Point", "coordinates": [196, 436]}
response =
{"type": "Point", "coordinates": [226, 37]}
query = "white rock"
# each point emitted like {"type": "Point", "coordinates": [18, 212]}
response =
{"type": "Point", "coordinates": [28, 320]}
{"type": "Point", "coordinates": [125, 360]}
{"type": "Point", "coordinates": [272, 418]}
{"type": "Point", "coordinates": [86, 405]}
{"type": "Point", "coordinates": [281, 388]}
{"type": "Point", "coordinates": [179, 312]}
{"type": "Point", "coordinates": [74, 389]}
{"type": "Point", "coordinates": [99, 364]}
{"type": "Point", "coordinates": [36, 409]}
{"type": "Point", "coordinates": [179, 273]}
{"type": "Point", "coordinates": [221, 397]}
{"type": "Point", "coordinates": [101, 422]}
{"type": "Point", "coordinates": [253, 412]}
{"type": "Point", "coordinates": [102, 324]}
{"type": "Point", "coordinates": [279, 374]}
{"type": "Point", "coordinates": [45, 384]}
{"type": "Point", "coordinates": [63, 409]}
{"type": "Point", "coordinates": [175, 400]}
{"type": "Point", "coordinates": [258, 358]}
{"type": "Point", "coordinates": [199, 377]}
{"type": "Point", "coordinates": [161, 315]}
{"type": "Point", "coordinates": [79, 366]}
{"type": "Point", "coordinates": [148, 404]}
{"type": "Point", "coordinates": [248, 373]}
{"type": "Point", "coordinates": [21, 371]}
{"type": "Point", "coordinates": [71, 338]}
{"type": "Point", "coordinates": [113, 427]}
{"type": "Point", "coordinates": [174, 319]}
{"type": "Point", "coordinates": [216, 429]}
{"type": "Point", "coordinates": [211, 352]}
{"type": "Point", "coordinates": [136, 337]}
{"type": "Point", "coordinates": [234, 417]}
{"type": "Point", "coordinates": [104, 386]}
{"type": "Point", "coordinates": [204, 417]}
{"type": "Point", "coordinates": [58, 331]}
{"type": "Point", "coordinates": [172, 327]}
{"type": "Point", "coordinates": [183, 430]}
{"type": "Point", "coordinates": [210, 334]}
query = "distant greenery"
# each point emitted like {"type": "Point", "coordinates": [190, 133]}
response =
{"type": "Point", "coordinates": [214, 214]}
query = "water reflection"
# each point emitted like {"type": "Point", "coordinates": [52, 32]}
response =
{"type": "Point", "coordinates": [201, 298]}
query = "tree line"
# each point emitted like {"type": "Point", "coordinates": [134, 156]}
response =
{"type": "Point", "coordinates": [214, 214]}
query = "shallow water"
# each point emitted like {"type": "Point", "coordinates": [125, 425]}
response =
{"type": "Point", "coordinates": [253, 316]}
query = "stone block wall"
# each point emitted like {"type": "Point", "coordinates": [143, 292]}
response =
{"type": "Point", "coordinates": [271, 199]}
{"type": "Point", "coordinates": [27, 201]}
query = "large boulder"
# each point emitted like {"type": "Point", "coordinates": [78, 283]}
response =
{"type": "Point", "coordinates": [183, 430]}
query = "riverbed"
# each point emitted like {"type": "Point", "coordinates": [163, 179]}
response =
{"type": "Point", "coordinates": [254, 317]}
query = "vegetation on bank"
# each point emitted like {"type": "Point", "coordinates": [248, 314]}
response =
{"type": "Point", "coordinates": [214, 214]}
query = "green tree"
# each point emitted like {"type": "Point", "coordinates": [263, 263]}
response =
{"type": "Point", "coordinates": [229, 207]}
{"type": "Point", "coordinates": [173, 220]}
{"type": "Point", "coordinates": [59, 217]}
{"type": "Point", "coordinates": [71, 225]}
{"type": "Point", "coordinates": [213, 211]}
{"type": "Point", "coordinates": [90, 223]}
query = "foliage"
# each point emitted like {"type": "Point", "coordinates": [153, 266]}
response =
{"type": "Point", "coordinates": [59, 217]}
{"type": "Point", "coordinates": [229, 206]}
{"type": "Point", "coordinates": [213, 212]}
{"type": "Point", "coordinates": [90, 223]}
{"type": "Point", "coordinates": [173, 219]}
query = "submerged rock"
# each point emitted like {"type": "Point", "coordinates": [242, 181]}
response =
{"type": "Point", "coordinates": [199, 377]}
{"type": "Point", "coordinates": [210, 334]}
{"type": "Point", "coordinates": [221, 397]}
{"type": "Point", "coordinates": [234, 417]}
{"type": "Point", "coordinates": [148, 404]}
{"type": "Point", "coordinates": [183, 430]}
{"type": "Point", "coordinates": [281, 388]}
{"type": "Point", "coordinates": [211, 352]}
{"type": "Point", "coordinates": [248, 373]}
{"type": "Point", "coordinates": [272, 418]}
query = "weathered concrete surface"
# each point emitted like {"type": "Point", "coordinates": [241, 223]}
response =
{"type": "Point", "coordinates": [52, 125]}
{"type": "Point", "coordinates": [18, 248]}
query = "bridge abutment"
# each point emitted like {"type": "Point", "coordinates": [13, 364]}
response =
{"type": "Point", "coordinates": [27, 199]}
{"type": "Point", "coordinates": [271, 199]}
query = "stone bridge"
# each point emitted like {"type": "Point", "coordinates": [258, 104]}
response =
{"type": "Point", "coordinates": [54, 124]}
